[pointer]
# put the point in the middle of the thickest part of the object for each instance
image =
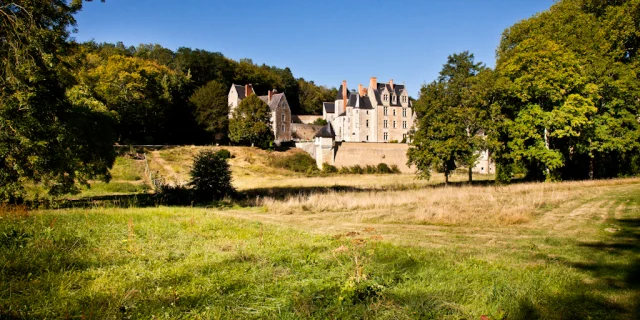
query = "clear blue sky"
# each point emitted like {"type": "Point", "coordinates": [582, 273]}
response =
{"type": "Point", "coordinates": [325, 41]}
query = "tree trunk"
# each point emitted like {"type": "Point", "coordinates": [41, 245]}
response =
{"type": "Point", "coordinates": [546, 144]}
{"type": "Point", "coordinates": [591, 167]}
{"type": "Point", "coordinates": [470, 175]}
{"type": "Point", "coordinates": [446, 177]}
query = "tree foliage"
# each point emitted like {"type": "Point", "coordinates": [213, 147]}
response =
{"type": "Point", "coordinates": [52, 131]}
{"type": "Point", "coordinates": [211, 107]}
{"type": "Point", "coordinates": [210, 176]}
{"type": "Point", "coordinates": [251, 123]}
{"type": "Point", "coordinates": [570, 91]}
{"type": "Point", "coordinates": [451, 119]}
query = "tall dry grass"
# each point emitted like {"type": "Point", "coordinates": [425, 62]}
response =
{"type": "Point", "coordinates": [466, 205]}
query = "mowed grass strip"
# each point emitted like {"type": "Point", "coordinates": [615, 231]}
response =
{"type": "Point", "coordinates": [199, 263]}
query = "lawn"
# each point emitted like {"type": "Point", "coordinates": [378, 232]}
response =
{"type": "Point", "coordinates": [554, 251]}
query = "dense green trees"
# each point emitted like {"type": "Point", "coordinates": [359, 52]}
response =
{"type": "Point", "coordinates": [452, 119]}
{"type": "Point", "coordinates": [562, 103]}
{"type": "Point", "coordinates": [251, 123]}
{"type": "Point", "coordinates": [210, 176]}
{"type": "Point", "coordinates": [51, 132]}
{"type": "Point", "coordinates": [211, 107]}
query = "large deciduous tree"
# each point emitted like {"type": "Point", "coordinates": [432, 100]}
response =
{"type": "Point", "coordinates": [251, 123]}
{"type": "Point", "coordinates": [212, 107]}
{"type": "Point", "coordinates": [451, 120]}
{"type": "Point", "coordinates": [49, 133]}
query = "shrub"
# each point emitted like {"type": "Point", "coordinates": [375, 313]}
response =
{"type": "Point", "coordinates": [344, 170]}
{"type": "Point", "coordinates": [224, 154]}
{"type": "Point", "coordinates": [393, 141]}
{"type": "Point", "coordinates": [369, 169]}
{"type": "Point", "coordinates": [298, 162]}
{"type": "Point", "coordinates": [210, 177]}
{"type": "Point", "coordinates": [327, 168]}
{"type": "Point", "coordinates": [383, 168]}
{"type": "Point", "coordinates": [320, 122]}
{"type": "Point", "coordinates": [357, 169]}
{"type": "Point", "coordinates": [395, 169]}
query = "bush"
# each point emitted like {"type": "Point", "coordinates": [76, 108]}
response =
{"type": "Point", "coordinates": [357, 169]}
{"type": "Point", "coordinates": [393, 141]}
{"type": "Point", "coordinates": [298, 162]}
{"type": "Point", "coordinates": [327, 168]}
{"type": "Point", "coordinates": [369, 169]}
{"type": "Point", "coordinates": [210, 177]}
{"type": "Point", "coordinates": [395, 169]}
{"type": "Point", "coordinates": [320, 122]}
{"type": "Point", "coordinates": [383, 168]}
{"type": "Point", "coordinates": [223, 154]}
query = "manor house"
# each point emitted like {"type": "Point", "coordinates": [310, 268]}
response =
{"type": "Point", "coordinates": [280, 111]}
{"type": "Point", "coordinates": [382, 112]}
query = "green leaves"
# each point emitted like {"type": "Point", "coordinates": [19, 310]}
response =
{"type": "Point", "coordinates": [251, 123]}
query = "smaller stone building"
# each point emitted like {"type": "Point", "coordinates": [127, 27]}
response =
{"type": "Point", "coordinates": [280, 110]}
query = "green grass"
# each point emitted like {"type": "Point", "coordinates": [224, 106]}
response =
{"type": "Point", "coordinates": [202, 263]}
{"type": "Point", "coordinates": [101, 189]}
{"type": "Point", "coordinates": [127, 169]}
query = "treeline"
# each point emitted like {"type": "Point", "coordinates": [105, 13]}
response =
{"type": "Point", "coordinates": [63, 105]}
{"type": "Point", "coordinates": [563, 101]}
{"type": "Point", "coordinates": [164, 97]}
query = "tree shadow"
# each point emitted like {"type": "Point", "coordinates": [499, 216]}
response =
{"type": "Point", "coordinates": [613, 268]}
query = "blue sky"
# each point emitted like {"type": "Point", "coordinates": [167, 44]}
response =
{"type": "Point", "coordinates": [325, 41]}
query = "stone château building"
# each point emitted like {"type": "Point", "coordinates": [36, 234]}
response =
{"type": "Point", "coordinates": [382, 112]}
{"type": "Point", "coordinates": [280, 110]}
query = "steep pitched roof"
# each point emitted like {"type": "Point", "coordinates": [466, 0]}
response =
{"type": "Point", "coordinates": [339, 94]}
{"type": "Point", "coordinates": [326, 132]}
{"type": "Point", "coordinates": [275, 100]}
{"type": "Point", "coordinates": [242, 93]}
{"type": "Point", "coordinates": [397, 89]}
{"type": "Point", "coordinates": [330, 107]}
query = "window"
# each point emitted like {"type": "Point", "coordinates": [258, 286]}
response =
{"type": "Point", "coordinates": [367, 138]}
{"type": "Point", "coordinates": [386, 136]}
{"type": "Point", "coordinates": [367, 123]}
{"type": "Point", "coordinates": [394, 112]}
{"type": "Point", "coordinates": [283, 128]}
{"type": "Point", "coordinates": [404, 98]}
{"type": "Point", "coordinates": [404, 112]}
{"type": "Point", "coordinates": [394, 124]}
{"type": "Point", "coordinates": [404, 124]}
{"type": "Point", "coordinates": [386, 123]}
{"type": "Point", "coordinates": [385, 97]}
{"type": "Point", "coordinates": [394, 99]}
{"type": "Point", "coordinates": [386, 111]}
{"type": "Point", "coordinates": [282, 117]}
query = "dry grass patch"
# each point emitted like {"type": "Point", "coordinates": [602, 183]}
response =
{"type": "Point", "coordinates": [466, 205]}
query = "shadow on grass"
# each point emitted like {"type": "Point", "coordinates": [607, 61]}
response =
{"type": "Point", "coordinates": [183, 196]}
{"type": "Point", "coordinates": [612, 289]}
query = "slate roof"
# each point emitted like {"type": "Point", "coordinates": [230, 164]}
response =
{"type": "Point", "coordinates": [275, 100]}
{"type": "Point", "coordinates": [397, 88]}
{"type": "Point", "coordinates": [326, 132]}
{"type": "Point", "coordinates": [241, 92]}
{"type": "Point", "coordinates": [339, 94]}
{"type": "Point", "coordinates": [330, 107]}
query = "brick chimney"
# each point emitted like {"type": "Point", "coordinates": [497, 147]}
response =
{"type": "Point", "coordinates": [360, 90]}
{"type": "Point", "coordinates": [373, 83]}
{"type": "Point", "coordinates": [248, 90]}
{"type": "Point", "coordinates": [344, 96]}
{"type": "Point", "coordinates": [270, 96]}
{"type": "Point", "coordinates": [391, 84]}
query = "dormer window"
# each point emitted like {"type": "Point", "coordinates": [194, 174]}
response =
{"type": "Point", "coordinates": [385, 97]}
{"type": "Point", "coordinates": [404, 99]}
{"type": "Point", "coordinates": [394, 99]}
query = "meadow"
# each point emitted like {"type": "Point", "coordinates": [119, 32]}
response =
{"type": "Point", "coordinates": [383, 246]}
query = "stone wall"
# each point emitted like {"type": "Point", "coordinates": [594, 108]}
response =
{"type": "Point", "coordinates": [304, 132]}
{"type": "Point", "coordinates": [358, 153]}
{"type": "Point", "coordinates": [308, 147]}
{"type": "Point", "coordinates": [306, 119]}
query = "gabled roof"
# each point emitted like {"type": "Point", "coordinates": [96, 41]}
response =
{"type": "Point", "coordinates": [330, 107]}
{"type": "Point", "coordinates": [242, 93]}
{"type": "Point", "coordinates": [339, 94]}
{"type": "Point", "coordinates": [275, 100]}
{"type": "Point", "coordinates": [326, 132]}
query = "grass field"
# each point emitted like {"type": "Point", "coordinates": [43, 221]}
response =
{"type": "Point", "coordinates": [525, 251]}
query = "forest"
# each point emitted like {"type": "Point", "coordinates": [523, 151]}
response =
{"type": "Point", "coordinates": [562, 103]}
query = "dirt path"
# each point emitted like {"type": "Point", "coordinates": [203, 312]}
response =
{"type": "Point", "coordinates": [171, 178]}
